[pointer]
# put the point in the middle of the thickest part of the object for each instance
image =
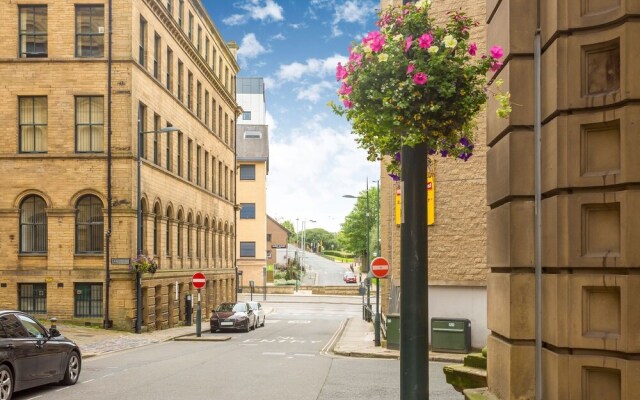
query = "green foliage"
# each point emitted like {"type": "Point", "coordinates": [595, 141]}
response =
{"type": "Point", "coordinates": [353, 235]}
{"type": "Point", "coordinates": [289, 226]}
{"type": "Point", "coordinates": [415, 81]}
{"type": "Point", "coordinates": [337, 253]}
{"type": "Point", "coordinates": [320, 239]}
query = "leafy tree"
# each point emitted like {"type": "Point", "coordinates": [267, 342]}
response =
{"type": "Point", "coordinates": [289, 226]}
{"type": "Point", "coordinates": [319, 239]}
{"type": "Point", "coordinates": [353, 235]}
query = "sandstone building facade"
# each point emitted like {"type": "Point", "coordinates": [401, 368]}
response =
{"type": "Point", "coordinates": [72, 109]}
{"type": "Point", "coordinates": [589, 216]}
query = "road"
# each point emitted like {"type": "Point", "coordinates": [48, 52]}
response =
{"type": "Point", "coordinates": [287, 359]}
{"type": "Point", "coordinates": [321, 271]}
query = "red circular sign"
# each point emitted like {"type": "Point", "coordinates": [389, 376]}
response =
{"type": "Point", "coordinates": [380, 267]}
{"type": "Point", "coordinates": [198, 280]}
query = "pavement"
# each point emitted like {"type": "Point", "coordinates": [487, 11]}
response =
{"type": "Point", "coordinates": [355, 339]}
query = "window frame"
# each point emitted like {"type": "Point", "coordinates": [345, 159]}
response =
{"type": "Point", "coordinates": [247, 249]}
{"type": "Point", "coordinates": [246, 115]}
{"type": "Point", "coordinates": [157, 45]}
{"type": "Point", "coordinates": [38, 301]}
{"type": "Point", "coordinates": [90, 34]}
{"type": "Point", "coordinates": [22, 52]}
{"type": "Point", "coordinates": [247, 210]}
{"type": "Point", "coordinates": [92, 288]}
{"type": "Point", "coordinates": [39, 208]}
{"type": "Point", "coordinates": [92, 145]}
{"type": "Point", "coordinates": [33, 125]}
{"type": "Point", "coordinates": [142, 51]}
{"type": "Point", "coordinates": [94, 228]}
{"type": "Point", "coordinates": [249, 175]}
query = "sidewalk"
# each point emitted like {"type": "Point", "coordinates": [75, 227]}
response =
{"type": "Point", "coordinates": [355, 340]}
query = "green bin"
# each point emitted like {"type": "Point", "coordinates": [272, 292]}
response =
{"type": "Point", "coordinates": [393, 331]}
{"type": "Point", "coordinates": [451, 335]}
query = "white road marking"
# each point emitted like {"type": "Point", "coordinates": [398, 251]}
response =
{"type": "Point", "coordinates": [90, 380]}
{"type": "Point", "coordinates": [299, 322]}
{"type": "Point", "coordinates": [304, 355]}
{"type": "Point", "coordinates": [107, 375]}
{"type": "Point", "coordinates": [273, 354]}
{"type": "Point", "coordinates": [64, 388]}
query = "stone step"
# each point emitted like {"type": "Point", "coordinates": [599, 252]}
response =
{"type": "Point", "coordinates": [476, 360]}
{"type": "Point", "coordinates": [462, 377]}
{"type": "Point", "coordinates": [479, 394]}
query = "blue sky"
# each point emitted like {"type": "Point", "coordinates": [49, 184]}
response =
{"type": "Point", "coordinates": [295, 46]}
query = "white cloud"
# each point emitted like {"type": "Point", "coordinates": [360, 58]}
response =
{"type": "Point", "coordinates": [278, 36]}
{"type": "Point", "coordinates": [353, 11]}
{"type": "Point", "coordinates": [250, 47]}
{"type": "Point", "coordinates": [311, 169]}
{"type": "Point", "coordinates": [314, 92]}
{"type": "Point", "coordinates": [313, 66]}
{"type": "Point", "coordinates": [260, 10]}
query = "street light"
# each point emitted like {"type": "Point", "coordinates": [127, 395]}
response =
{"type": "Point", "coordinates": [304, 227]}
{"type": "Point", "coordinates": [168, 129]}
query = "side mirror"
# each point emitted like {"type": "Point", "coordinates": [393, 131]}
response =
{"type": "Point", "coordinates": [54, 332]}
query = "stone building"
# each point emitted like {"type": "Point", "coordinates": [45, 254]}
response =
{"type": "Point", "coordinates": [589, 216]}
{"type": "Point", "coordinates": [72, 107]}
{"type": "Point", "coordinates": [457, 237]}
{"type": "Point", "coordinates": [277, 241]}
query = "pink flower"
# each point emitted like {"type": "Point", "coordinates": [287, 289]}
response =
{"type": "Point", "coordinates": [407, 43]}
{"type": "Point", "coordinates": [420, 78]}
{"type": "Point", "coordinates": [425, 40]}
{"type": "Point", "coordinates": [496, 65]}
{"type": "Point", "coordinates": [496, 52]}
{"type": "Point", "coordinates": [375, 40]}
{"type": "Point", "coordinates": [410, 68]}
{"type": "Point", "coordinates": [355, 58]}
{"type": "Point", "coordinates": [344, 89]}
{"type": "Point", "coordinates": [347, 103]}
{"type": "Point", "coordinates": [473, 48]}
{"type": "Point", "coordinates": [341, 72]}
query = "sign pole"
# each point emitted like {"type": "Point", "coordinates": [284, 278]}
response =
{"type": "Point", "coordinates": [377, 319]}
{"type": "Point", "coordinates": [198, 315]}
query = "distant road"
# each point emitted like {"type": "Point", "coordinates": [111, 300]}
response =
{"type": "Point", "coordinates": [321, 271]}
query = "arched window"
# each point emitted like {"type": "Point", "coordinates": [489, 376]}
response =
{"type": "Point", "coordinates": [156, 229]}
{"type": "Point", "coordinates": [206, 238]}
{"type": "Point", "coordinates": [33, 225]}
{"type": "Point", "coordinates": [189, 226]}
{"type": "Point", "coordinates": [180, 225]}
{"type": "Point", "coordinates": [89, 225]}
{"type": "Point", "coordinates": [167, 244]}
{"type": "Point", "coordinates": [198, 229]}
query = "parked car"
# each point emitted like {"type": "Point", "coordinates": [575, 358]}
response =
{"type": "Point", "coordinates": [32, 355]}
{"type": "Point", "coordinates": [350, 277]}
{"type": "Point", "coordinates": [259, 312]}
{"type": "Point", "coordinates": [237, 316]}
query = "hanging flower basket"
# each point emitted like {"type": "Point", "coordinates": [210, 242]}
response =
{"type": "Point", "coordinates": [144, 264]}
{"type": "Point", "coordinates": [413, 81]}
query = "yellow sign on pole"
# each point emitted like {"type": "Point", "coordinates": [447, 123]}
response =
{"type": "Point", "coordinates": [431, 201]}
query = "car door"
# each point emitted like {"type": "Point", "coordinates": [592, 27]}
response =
{"type": "Point", "coordinates": [20, 351]}
{"type": "Point", "coordinates": [49, 353]}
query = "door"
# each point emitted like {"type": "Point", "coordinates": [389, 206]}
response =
{"type": "Point", "coordinates": [49, 354]}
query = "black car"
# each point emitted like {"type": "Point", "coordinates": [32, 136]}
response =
{"type": "Point", "coordinates": [31, 355]}
{"type": "Point", "coordinates": [238, 316]}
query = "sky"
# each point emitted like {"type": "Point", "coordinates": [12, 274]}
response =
{"type": "Point", "coordinates": [295, 46]}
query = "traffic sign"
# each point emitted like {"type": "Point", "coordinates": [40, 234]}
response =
{"type": "Point", "coordinates": [198, 280]}
{"type": "Point", "coordinates": [379, 267]}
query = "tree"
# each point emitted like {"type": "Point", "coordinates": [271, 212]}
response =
{"type": "Point", "coordinates": [319, 239]}
{"type": "Point", "coordinates": [289, 226]}
{"type": "Point", "coordinates": [353, 235]}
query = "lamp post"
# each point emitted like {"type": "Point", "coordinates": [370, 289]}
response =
{"type": "Point", "coordinates": [304, 237]}
{"type": "Point", "coordinates": [377, 316]}
{"type": "Point", "coordinates": [141, 134]}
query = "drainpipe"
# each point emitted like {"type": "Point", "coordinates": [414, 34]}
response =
{"type": "Point", "coordinates": [538, 201]}
{"type": "Point", "coordinates": [107, 280]}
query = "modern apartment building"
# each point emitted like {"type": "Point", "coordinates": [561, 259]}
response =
{"type": "Point", "coordinates": [253, 167]}
{"type": "Point", "coordinates": [78, 100]}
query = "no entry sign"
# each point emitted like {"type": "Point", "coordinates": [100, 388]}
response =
{"type": "Point", "coordinates": [379, 267]}
{"type": "Point", "coordinates": [198, 280]}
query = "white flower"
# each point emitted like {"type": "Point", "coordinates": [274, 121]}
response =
{"type": "Point", "coordinates": [450, 42]}
{"type": "Point", "coordinates": [422, 3]}
{"type": "Point", "coordinates": [398, 37]}
{"type": "Point", "coordinates": [433, 49]}
{"type": "Point", "coordinates": [383, 57]}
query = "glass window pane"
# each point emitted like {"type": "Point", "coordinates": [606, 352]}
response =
{"type": "Point", "coordinates": [97, 110]}
{"type": "Point", "coordinates": [40, 110]}
{"type": "Point", "coordinates": [83, 110]}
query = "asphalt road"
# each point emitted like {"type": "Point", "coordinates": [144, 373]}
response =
{"type": "Point", "coordinates": [287, 359]}
{"type": "Point", "coordinates": [322, 271]}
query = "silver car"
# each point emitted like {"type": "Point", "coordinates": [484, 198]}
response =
{"type": "Point", "coordinates": [259, 312]}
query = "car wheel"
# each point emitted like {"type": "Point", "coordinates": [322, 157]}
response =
{"type": "Point", "coordinates": [248, 328]}
{"type": "Point", "coordinates": [263, 321]}
{"type": "Point", "coordinates": [72, 373]}
{"type": "Point", "coordinates": [6, 383]}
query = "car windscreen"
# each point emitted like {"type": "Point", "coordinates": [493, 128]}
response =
{"type": "Point", "coordinates": [240, 307]}
{"type": "Point", "coordinates": [225, 307]}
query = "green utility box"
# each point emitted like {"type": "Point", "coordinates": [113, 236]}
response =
{"type": "Point", "coordinates": [451, 335]}
{"type": "Point", "coordinates": [393, 331]}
